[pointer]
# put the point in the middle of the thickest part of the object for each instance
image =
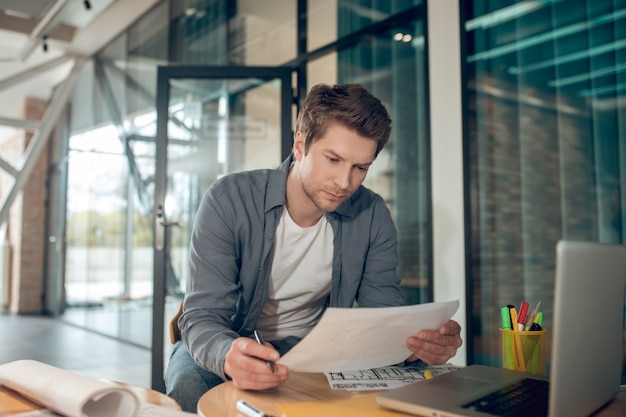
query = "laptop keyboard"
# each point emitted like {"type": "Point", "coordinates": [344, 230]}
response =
{"type": "Point", "coordinates": [528, 397]}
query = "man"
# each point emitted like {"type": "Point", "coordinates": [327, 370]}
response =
{"type": "Point", "coordinates": [271, 249]}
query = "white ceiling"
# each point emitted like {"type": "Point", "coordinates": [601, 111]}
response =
{"type": "Point", "coordinates": [71, 29]}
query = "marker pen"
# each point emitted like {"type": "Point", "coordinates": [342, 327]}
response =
{"type": "Point", "coordinates": [521, 319]}
{"type": "Point", "coordinates": [513, 314]}
{"type": "Point", "coordinates": [508, 359]}
{"type": "Point", "coordinates": [506, 319]}
{"type": "Point", "coordinates": [248, 410]}
{"type": "Point", "coordinates": [519, 357]}
{"type": "Point", "coordinates": [530, 319]}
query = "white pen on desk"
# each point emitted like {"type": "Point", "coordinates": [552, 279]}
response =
{"type": "Point", "coordinates": [248, 410]}
{"type": "Point", "coordinates": [259, 340]}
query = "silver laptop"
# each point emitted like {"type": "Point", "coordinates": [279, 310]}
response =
{"type": "Point", "coordinates": [586, 359]}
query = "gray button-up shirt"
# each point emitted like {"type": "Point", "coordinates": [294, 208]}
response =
{"type": "Point", "coordinates": [230, 259]}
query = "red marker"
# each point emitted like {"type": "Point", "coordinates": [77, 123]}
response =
{"type": "Point", "coordinates": [521, 318]}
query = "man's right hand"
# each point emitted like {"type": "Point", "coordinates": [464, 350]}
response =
{"type": "Point", "coordinates": [246, 365]}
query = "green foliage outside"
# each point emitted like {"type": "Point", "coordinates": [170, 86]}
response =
{"type": "Point", "coordinates": [95, 228]}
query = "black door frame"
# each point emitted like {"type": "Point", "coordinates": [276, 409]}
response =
{"type": "Point", "coordinates": [164, 75]}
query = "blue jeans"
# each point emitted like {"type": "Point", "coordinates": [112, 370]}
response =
{"type": "Point", "coordinates": [185, 381]}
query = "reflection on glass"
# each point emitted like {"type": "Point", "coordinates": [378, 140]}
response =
{"type": "Point", "coordinates": [108, 282]}
{"type": "Point", "coordinates": [330, 19]}
{"type": "Point", "coordinates": [546, 143]}
{"type": "Point", "coordinates": [246, 32]}
{"type": "Point", "coordinates": [391, 64]}
{"type": "Point", "coordinates": [215, 127]}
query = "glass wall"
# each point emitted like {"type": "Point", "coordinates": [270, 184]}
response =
{"type": "Point", "coordinates": [393, 65]}
{"type": "Point", "coordinates": [111, 165]}
{"type": "Point", "coordinates": [546, 112]}
{"type": "Point", "coordinates": [380, 44]}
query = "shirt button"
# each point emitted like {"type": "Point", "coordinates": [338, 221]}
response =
{"type": "Point", "coordinates": [270, 236]}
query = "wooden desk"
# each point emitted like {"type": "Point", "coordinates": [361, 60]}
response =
{"type": "Point", "coordinates": [220, 401]}
{"type": "Point", "coordinates": [12, 403]}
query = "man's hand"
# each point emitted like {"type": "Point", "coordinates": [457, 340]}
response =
{"type": "Point", "coordinates": [246, 365]}
{"type": "Point", "coordinates": [436, 347]}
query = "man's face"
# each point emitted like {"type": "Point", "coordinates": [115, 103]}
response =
{"type": "Point", "coordinates": [334, 166]}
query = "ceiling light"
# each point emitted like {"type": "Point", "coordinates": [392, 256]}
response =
{"type": "Point", "coordinates": [16, 13]}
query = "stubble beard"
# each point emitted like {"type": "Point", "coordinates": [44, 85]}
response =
{"type": "Point", "coordinates": [316, 196]}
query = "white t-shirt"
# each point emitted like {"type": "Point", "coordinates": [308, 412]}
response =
{"type": "Point", "coordinates": [299, 280]}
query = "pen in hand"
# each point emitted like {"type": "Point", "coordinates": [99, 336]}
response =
{"type": "Point", "coordinates": [259, 340]}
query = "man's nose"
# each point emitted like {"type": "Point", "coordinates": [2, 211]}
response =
{"type": "Point", "coordinates": [344, 178]}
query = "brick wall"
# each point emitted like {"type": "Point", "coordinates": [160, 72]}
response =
{"type": "Point", "coordinates": [26, 223]}
{"type": "Point", "coordinates": [11, 151]}
{"type": "Point", "coordinates": [535, 177]}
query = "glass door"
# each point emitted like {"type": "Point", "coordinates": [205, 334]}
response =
{"type": "Point", "coordinates": [211, 121]}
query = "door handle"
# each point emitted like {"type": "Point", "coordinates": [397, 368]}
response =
{"type": "Point", "coordinates": [166, 224]}
{"type": "Point", "coordinates": [159, 228]}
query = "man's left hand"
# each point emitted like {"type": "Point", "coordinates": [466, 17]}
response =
{"type": "Point", "coordinates": [436, 347]}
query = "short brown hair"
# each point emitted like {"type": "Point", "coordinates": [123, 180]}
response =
{"type": "Point", "coordinates": [350, 105]}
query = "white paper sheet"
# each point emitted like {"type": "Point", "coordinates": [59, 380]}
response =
{"type": "Point", "coordinates": [74, 395]}
{"type": "Point", "coordinates": [36, 413]}
{"type": "Point", "coordinates": [351, 339]}
{"type": "Point", "coordinates": [68, 393]}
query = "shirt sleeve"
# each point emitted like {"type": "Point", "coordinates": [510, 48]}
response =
{"type": "Point", "coordinates": [213, 288]}
{"type": "Point", "coordinates": [380, 283]}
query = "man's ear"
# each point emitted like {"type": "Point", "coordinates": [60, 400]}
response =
{"type": "Point", "coordinates": [298, 146]}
